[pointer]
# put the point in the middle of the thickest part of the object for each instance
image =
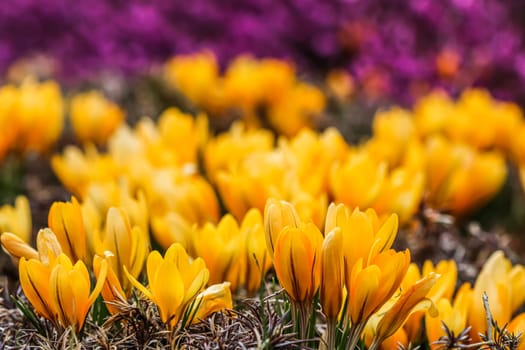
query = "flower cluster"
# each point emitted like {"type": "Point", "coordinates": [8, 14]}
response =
{"type": "Point", "coordinates": [394, 49]}
{"type": "Point", "coordinates": [56, 280]}
{"type": "Point", "coordinates": [31, 117]}
{"type": "Point", "coordinates": [264, 91]}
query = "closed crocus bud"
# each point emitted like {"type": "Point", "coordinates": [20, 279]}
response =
{"type": "Point", "coordinates": [332, 279]}
{"type": "Point", "coordinates": [16, 247]}
{"type": "Point", "coordinates": [297, 261]}
{"type": "Point", "coordinates": [65, 220]}
{"type": "Point", "coordinates": [48, 246]}
{"type": "Point", "coordinates": [277, 215]}
{"type": "Point", "coordinates": [257, 256]}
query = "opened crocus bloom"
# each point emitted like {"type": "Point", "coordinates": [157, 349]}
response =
{"type": "Point", "coordinates": [59, 291]}
{"type": "Point", "coordinates": [174, 282]}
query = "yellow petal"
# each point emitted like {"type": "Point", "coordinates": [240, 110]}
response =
{"type": "Point", "coordinates": [405, 305]}
{"type": "Point", "coordinates": [167, 289]}
{"type": "Point", "coordinates": [137, 285]}
{"type": "Point", "coordinates": [65, 220]}
{"type": "Point", "coordinates": [48, 246]}
{"type": "Point", "coordinates": [278, 215]}
{"type": "Point", "coordinates": [331, 294]}
{"type": "Point", "coordinates": [34, 279]}
{"type": "Point", "coordinates": [214, 298]}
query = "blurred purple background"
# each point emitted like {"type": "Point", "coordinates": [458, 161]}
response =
{"type": "Point", "coordinates": [396, 49]}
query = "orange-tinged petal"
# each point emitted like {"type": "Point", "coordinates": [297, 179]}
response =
{"type": "Point", "coordinates": [365, 284]}
{"type": "Point", "coordinates": [517, 278]}
{"type": "Point", "coordinates": [34, 279]}
{"type": "Point", "coordinates": [296, 260]}
{"type": "Point", "coordinates": [111, 290]}
{"type": "Point", "coordinates": [517, 326]}
{"type": "Point", "coordinates": [331, 294]}
{"type": "Point", "coordinates": [65, 220]}
{"type": "Point", "coordinates": [385, 236]}
{"type": "Point", "coordinates": [278, 215]}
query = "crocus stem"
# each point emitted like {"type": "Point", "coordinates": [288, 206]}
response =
{"type": "Point", "coordinates": [331, 326]}
{"type": "Point", "coordinates": [375, 344]}
{"type": "Point", "coordinates": [355, 335]}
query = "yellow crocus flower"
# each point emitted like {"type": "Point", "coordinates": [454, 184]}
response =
{"type": "Point", "coordinates": [401, 193]}
{"type": "Point", "coordinates": [34, 278]}
{"type": "Point", "coordinates": [503, 284]}
{"type": "Point", "coordinates": [17, 219]}
{"type": "Point", "coordinates": [112, 290]}
{"type": "Point", "coordinates": [452, 314]}
{"type": "Point", "coordinates": [358, 180]}
{"type": "Point", "coordinates": [128, 245]}
{"type": "Point", "coordinates": [193, 75]}
{"type": "Point", "coordinates": [69, 289]}
{"type": "Point", "coordinates": [93, 117]}
{"type": "Point", "coordinates": [393, 132]}
{"type": "Point", "coordinates": [413, 299]}
{"type": "Point", "coordinates": [258, 259]}
{"type": "Point", "coordinates": [432, 112]}
{"type": "Point", "coordinates": [364, 235]}
{"type": "Point", "coordinates": [65, 220]}
{"type": "Point", "coordinates": [174, 282]}
{"type": "Point", "coordinates": [372, 285]}
{"type": "Point", "coordinates": [172, 228]}
{"type": "Point", "coordinates": [277, 215]}
{"type": "Point", "coordinates": [297, 259]}
{"type": "Point", "coordinates": [231, 147]}
{"type": "Point", "coordinates": [38, 110]}
{"type": "Point", "coordinates": [60, 291]}
{"type": "Point", "coordinates": [48, 247]}
{"type": "Point", "coordinates": [443, 288]}
{"type": "Point", "coordinates": [332, 282]}
{"type": "Point", "coordinates": [453, 176]}
{"type": "Point", "coordinates": [214, 298]}
{"type": "Point", "coordinates": [332, 277]}
{"type": "Point", "coordinates": [222, 248]}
